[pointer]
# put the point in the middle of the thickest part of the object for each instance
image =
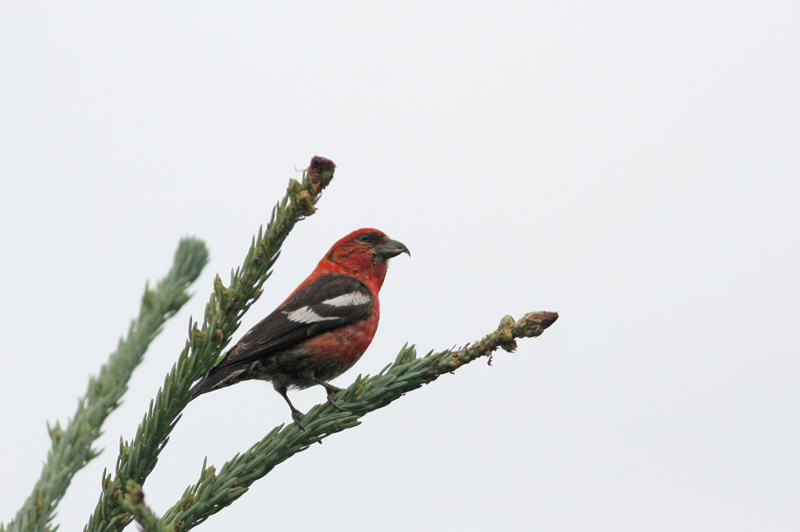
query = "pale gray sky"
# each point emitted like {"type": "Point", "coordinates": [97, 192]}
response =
{"type": "Point", "coordinates": [632, 166]}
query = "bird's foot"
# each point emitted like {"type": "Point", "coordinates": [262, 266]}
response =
{"type": "Point", "coordinates": [331, 393]}
{"type": "Point", "coordinates": [297, 416]}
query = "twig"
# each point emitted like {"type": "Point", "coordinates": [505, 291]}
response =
{"type": "Point", "coordinates": [216, 490]}
{"type": "Point", "coordinates": [72, 446]}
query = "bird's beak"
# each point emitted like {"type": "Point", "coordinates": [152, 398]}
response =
{"type": "Point", "coordinates": [391, 248]}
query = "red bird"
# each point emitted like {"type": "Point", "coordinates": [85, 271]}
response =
{"type": "Point", "coordinates": [322, 328]}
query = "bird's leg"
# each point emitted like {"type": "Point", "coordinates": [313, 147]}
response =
{"type": "Point", "coordinates": [330, 388]}
{"type": "Point", "coordinates": [296, 414]}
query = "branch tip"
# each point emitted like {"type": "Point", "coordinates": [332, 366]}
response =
{"type": "Point", "coordinates": [542, 320]}
{"type": "Point", "coordinates": [320, 172]}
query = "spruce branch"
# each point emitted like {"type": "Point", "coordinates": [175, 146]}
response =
{"type": "Point", "coordinates": [225, 308]}
{"type": "Point", "coordinates": [216, 490]}
{"type": "Point", "coordinates": [72, 446]}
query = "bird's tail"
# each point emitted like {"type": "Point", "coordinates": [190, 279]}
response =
{"type": "Point", "coordinates": [219, 377]}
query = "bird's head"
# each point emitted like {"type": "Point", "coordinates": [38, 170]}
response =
{"type": "Point", "coordinates": [364, 253]}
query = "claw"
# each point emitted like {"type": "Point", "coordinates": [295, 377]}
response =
{"type": "Point", "coordinates": [330, 388]}
{"type": "Point", "coordinates": [296, 416]}
{"type": "Point", "coordinates": [332, 401]}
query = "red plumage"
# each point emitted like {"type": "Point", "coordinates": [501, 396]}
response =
{"type": "Point", "coordinates": [322, 328]}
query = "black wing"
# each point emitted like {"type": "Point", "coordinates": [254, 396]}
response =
{"type": "Point", "coordinates": [329, 302]}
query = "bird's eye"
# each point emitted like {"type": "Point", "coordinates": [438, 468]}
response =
{"type": "Point", "coordinates": [364, 237]}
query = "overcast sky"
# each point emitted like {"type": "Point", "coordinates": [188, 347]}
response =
{"type": "Point", "coordinates": [632, 166]}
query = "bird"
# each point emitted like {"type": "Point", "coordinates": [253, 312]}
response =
{"type": "Point", "coordinates": [322, 328]}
